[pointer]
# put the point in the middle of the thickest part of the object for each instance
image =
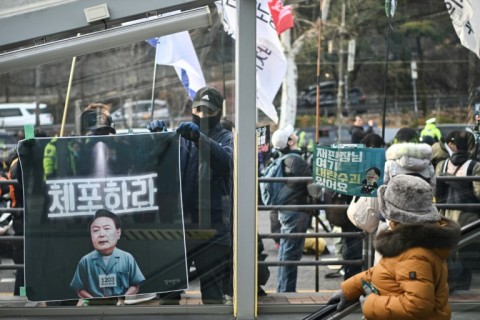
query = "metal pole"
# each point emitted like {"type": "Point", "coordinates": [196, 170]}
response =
{"type": "Point", "coordinates": [415, 107]}
{"type": "Point", "coordinates": [319, 51]}
{"type": "Point", "coordinates": [413, 66]}
{"type": "Point", "coordinates": [67, 97]}
{"type": "Point", "coordinates": [153, 85]}
{"type": "Point", "coordinates": [317, 125]}
{"type": "Point", "coordinates": [245, 175]}
{"type": "Point", "coordinates": [340, 70]}
{"type": "Point", "coordinates": [340, 65]}
{"type": "Point", "coordinates": [385, 80]}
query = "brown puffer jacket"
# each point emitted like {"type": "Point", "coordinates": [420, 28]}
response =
{"type": "Point", "coordinates": [412, 275]}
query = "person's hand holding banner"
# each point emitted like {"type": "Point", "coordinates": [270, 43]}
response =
{"type": "Point", "coordinates": [189, 131]}
{"type": "Point", "coordinates": [157, 126]}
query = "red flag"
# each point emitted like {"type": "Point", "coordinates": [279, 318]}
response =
{"type": "Point", "coordinates": [282, 16]}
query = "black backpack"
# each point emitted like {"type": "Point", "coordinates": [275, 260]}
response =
{"type": "Point", "coordinates": [337, 216]}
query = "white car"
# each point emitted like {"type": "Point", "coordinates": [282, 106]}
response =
{"type": "Point", "coordinates": [19, 114]}
{"type": "Point", "coordinates": [139, 113]}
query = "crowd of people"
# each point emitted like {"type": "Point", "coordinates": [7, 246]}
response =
{"type": "Point", "coordinates": [404, 206]}
{"type": "Point", "coordinates": [415, 243]}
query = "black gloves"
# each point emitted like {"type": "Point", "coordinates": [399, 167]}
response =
{"type": "Point", "coordinates": [339, 298]}
{"type": "Point", "coordinates": [189, 131]}
{"type": "Point", "coordinates": [157, 126]}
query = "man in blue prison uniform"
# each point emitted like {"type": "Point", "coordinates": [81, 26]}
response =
{"type": "Point", "coordinates": [106, 271]}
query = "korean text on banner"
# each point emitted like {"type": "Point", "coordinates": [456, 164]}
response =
{"type": "Point", "coordinates": [350, 170]}
{"type": "Point", "coordinates": [465, 17]}
{"type": "Point", "coordinates": [135, 177]}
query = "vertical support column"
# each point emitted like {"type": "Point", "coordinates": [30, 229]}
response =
{"type": "Point", "coordinates": [245, 294]}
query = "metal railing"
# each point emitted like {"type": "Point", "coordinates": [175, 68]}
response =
{"type": "Point", "coordinates": [367, 253]}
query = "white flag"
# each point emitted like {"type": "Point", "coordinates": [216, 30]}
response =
{"type": "Point", "coordinates": [177, 50]}
{"type": "Point", "coordinates": [465, 17]}
{"type": "Point", "coordinates": [271, 63]}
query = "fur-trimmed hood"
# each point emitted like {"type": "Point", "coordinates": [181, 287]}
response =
{"type": "Point", "coordinates": [440, 237]}
{"type": "Point", "coordinates": [413, 150]}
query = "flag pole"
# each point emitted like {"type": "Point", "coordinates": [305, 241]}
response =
{"type": "Point", "coordinates": [67, 97]}
{"type": "Point", "coordinates": [319, 51]}
{"type": "Point", "coordinates": [153, 84]}
{"type": "Point", "coordinates": [390, 6]}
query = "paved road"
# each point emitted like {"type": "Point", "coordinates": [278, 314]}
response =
{"type": "Point", "coordinates": [306, 274]}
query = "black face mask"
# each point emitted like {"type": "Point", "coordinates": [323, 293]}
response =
{"type": "Point", "coordinates": [207, 123]}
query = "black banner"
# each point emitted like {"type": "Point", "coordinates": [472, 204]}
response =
{"type": "Point", "coordinates": [67, 180]}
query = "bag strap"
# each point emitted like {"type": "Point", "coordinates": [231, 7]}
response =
{"type": "Point", "coordinates": [445, 166]}
{"type": "Point", "coordinates": [471, 165]}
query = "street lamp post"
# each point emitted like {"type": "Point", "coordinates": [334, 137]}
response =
{"type": "Point", "coordinates": [413, 66]}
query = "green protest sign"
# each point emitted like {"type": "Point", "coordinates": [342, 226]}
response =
{"type": "Point", "coordinates": [352, 170]}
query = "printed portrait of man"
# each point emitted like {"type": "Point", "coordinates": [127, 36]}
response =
{"type": "Point", "coordinates": [107, 270]}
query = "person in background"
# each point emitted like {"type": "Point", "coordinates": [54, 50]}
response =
{"type": "Point", "coordinates": [410, 281]}
{"type": "Point", "coordinates": [352, 247]}
{"type": "Point", "coordinates": [16, 201]}
{"type": "Point", "coordinates": [407, 156]}
{"type": "Point", "coordinates": [291, 249]}
{"type": "Point", "coordinates": [206, 161]}
{"type": "Point", "coordinates": [441, 151]}
{"type": "Point", "coordinates": [367, 216]}
{"type": "Point", "coordinates": [431, 130]}
{"type": "Point", "coordinates": [459, 192]}
{"type": "Point", "coordinates": [358, 131]}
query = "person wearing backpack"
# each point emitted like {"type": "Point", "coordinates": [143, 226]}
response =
{"type": "Point", "coordinates": [289, 164]}
{"type": "Point", "coordinates": [457, 192]}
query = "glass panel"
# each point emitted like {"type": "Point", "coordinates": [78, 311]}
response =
{"type": "Point", "coordinates": [426, 74]}
{"type": "Point", "coordinates": [379, 86]}
{"type": "Point", "coordinates": [118, 82]}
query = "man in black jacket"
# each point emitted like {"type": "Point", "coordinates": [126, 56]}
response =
{"type": "Point", "coordinates": [357, 131]}
{"type": "Point", "coordinates": [206, 162]}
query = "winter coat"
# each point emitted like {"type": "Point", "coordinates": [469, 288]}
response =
{"type": "Point", "coordinates": [358, 133]}
{"type": "Point", "coordinates": [294, 192]}
{"type": "Point", "coordinates": [439, 153]}
{"type": "Point", "coordinates": [455, 192]}
{"type": "Point", "coordinates": [212, 175]}
{"type": "Point", "coordinates": [410, 158]}
{"type": "Point", "coordinates": [412, 275]}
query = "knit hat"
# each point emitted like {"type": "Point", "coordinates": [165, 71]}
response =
{"type": "Point", "coordinates": [209, 97]}
{"type": "Point", "coordinates": [407, 199]}
{"type": "Point", "coordinates": [280, 137]}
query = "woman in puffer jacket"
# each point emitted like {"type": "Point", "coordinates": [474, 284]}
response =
{"type": "Point", "coordinates": [410, 281]}
{"type": "Point", "coordinates": [407, 156]}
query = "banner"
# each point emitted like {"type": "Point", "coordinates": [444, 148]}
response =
{"type": "Point", "coordinates": [349, 170]}
{"type": "Point", "coordinates": [466, 22]}
{"type": "Point", "coordinates": [271, 64]}
{"type": "Point", "coordinates": [67, 181]}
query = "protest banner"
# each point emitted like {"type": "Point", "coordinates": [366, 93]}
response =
{"type": "Point", "coordinates": [351, 170]}
{"type": "Point", "coordinates": [67, 180]}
